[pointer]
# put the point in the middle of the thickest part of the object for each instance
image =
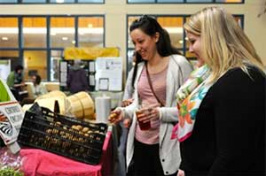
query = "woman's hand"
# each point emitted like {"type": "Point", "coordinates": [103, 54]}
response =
{"type": "Point", "coordinates": [150, 113]}
{"type": "Point", "coordinates": [127, 102]}
{"type": "Point", "coordinates": [115, 116]}
{"type": "Point", "coordinates": [180, 173]}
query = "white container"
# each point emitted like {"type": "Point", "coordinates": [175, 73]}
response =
{"type": "Point", "coordinates": [103, 108]}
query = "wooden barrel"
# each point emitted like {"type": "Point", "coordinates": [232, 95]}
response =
{"type": "Point", "coordinates": [48, 100]}
{"type": "Point", "coordinates": [82, 105]}
{"type": "Point", "coordinates": [53, 94]}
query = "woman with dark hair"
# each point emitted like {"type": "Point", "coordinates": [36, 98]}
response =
{"type": "Point", "coordinates": [38, 88]}
{"type": "Point", "coordinates": [158, 74]}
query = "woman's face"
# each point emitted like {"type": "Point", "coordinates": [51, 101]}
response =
{"type": "Point", "coordinates": [33, 78]}
{"type": "Point", "coordinates": [145, 45]}
{"type": "Point", "coordinates": [195, 47]}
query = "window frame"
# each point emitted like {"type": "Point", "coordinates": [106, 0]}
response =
{"type": "Point", "coordinates": [20, 49]}
{"type": "Point", "coordinates": [185, 2]}
{"type": "Point", "coordinates": [50, 3]}
{"type": "Point", "coordinates": [184, 49]}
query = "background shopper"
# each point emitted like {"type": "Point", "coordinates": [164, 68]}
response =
{"type": "Point", "coordinates": [77, 78]}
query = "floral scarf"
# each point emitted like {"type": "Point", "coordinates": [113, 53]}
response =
{"type": "Point", "coordinates": [189, 98]}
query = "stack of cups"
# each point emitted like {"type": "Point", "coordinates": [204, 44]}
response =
{"type": "Point", "coordinates": [103, 109]}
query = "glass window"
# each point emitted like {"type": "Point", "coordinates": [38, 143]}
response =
{"type": "Point", "coordinates": [8, 32]}
{"type": "Point", "coordinates": [35, 61]}
{"type": "Point", "coordinates": [229, 1]}
{"type": "Point", "coordinates": [90, 1]}
{"type": "Point", "coordinates": [56, 57]}
{"type": "Point", "coordinates": [62, 1]}
{"type": "Point", "coordinates": [33, 1]}
{"type": "Point", "coordinates": [130, 20]}
{"type": "Point", "coordinates": [141, 1]}
{"type": "Point", "coordinates": [90, 31]}
{"type": "Point", "coordinates": [169, 1]}
{"type": "Point", "coordinates": [34, 32]}
{"type": "Point", "coordinates": [130, 59]}
{"type": "Point", "coordinates": [35, 51]}
{"type": "Point", "coordinates": [184, 1]}
{"type": "Point", "coordinates": [174, 26]}
{"type": "Point", "coordinates": [62, 32]}
{"type": "Point", "coordinates": [8, 61]}
{"type": "Point", "coordinates": [200, 1]}
{"type": "Point", "coordinates": [8, 1]}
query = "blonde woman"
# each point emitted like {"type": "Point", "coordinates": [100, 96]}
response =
{"type": "Point", "coordinates": [221, 106]}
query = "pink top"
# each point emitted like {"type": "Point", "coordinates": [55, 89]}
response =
{"type": "Point", "coordinates": [146, 96]}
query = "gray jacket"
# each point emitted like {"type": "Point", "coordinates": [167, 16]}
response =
{"type": "Point", "coordinates": [178, 71]}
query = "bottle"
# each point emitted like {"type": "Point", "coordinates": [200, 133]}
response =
{"type": "Point", "coordinates": [56, 107]}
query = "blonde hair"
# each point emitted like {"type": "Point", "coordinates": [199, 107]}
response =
{"type": "Point", "coordinates": [224, 43]}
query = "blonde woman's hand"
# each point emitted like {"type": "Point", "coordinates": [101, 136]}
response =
{"type": "Point", "coordinates": [180, 173]}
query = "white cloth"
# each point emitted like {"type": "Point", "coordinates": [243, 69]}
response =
{"type": "Point", "coordinates": [38, 90]}
{"type": "Point", "coordinates": [129, 90]}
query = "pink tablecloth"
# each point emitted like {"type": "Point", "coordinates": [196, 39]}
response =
{"type": "Point", "coordinates": [42, 163]}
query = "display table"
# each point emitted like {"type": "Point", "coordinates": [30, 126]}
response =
{"type": "Point", "coordinates": [39, 162]}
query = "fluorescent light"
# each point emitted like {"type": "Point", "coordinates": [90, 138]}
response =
{"type": "Point", "coordinates": [60, 1]}
{"type": "Point", "coordinates": [4, 38]}
{"type": "Point", "coordinates": [54, 31]}
{"type": "Point", "coordinates": [64, 38]}
{"type": "Point", "coordinates": [172, 30]}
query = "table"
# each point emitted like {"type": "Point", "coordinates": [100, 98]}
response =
{"type": "Point", "coordinates": [42, 163]}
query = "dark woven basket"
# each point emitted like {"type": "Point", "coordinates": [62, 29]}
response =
{"type": "Point", "coordinates": [72, 138]}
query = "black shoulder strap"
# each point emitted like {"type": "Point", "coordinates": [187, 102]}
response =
{"type": "Point", "coordinates": [149, 80]}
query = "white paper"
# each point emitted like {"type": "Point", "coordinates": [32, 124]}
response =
{"type": "Point", "coordinates": [110, 68]}
{"type": "Point", "coordinates": [92, 66]}
{"type": "Point", "coordinates": [63, 77]}
{"type": "Point", "coordinates": [103, 108]}
{"type": "Point", "coordinates": [63, 66]}
{"type": "Point", "coordinates": [11, 117]}
{"type": "Point", "coordinates": [92, 80]}
{"type": "Point", "coordinates": [103, 84]}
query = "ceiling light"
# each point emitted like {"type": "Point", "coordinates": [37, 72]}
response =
{"type": "Point", "coordinates": [54, 31]}
{"type": "Point", "coordinates": [59, 1]}
{"type": "Point", "coordinates": [64, 38]}
{"type": "Point", "coordinates": [177, 30]}
{"type": "Point", "coordinates": [4, 38]}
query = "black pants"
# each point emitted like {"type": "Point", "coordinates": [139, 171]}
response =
{"type": "Point", "coordinates": [146, 161]}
